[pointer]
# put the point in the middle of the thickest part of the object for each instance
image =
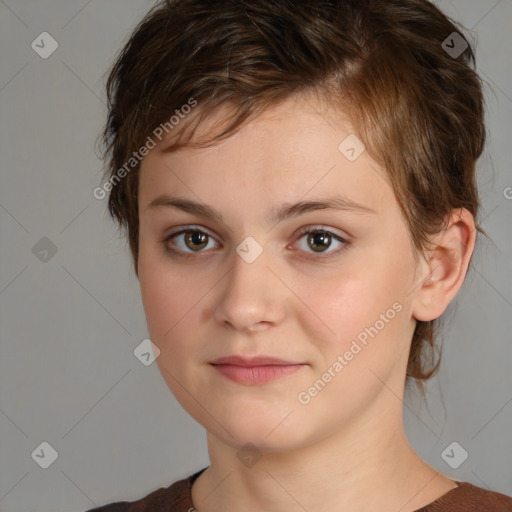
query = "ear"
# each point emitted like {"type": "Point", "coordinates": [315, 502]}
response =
{"type": "Point", "coordinates": [445, 267]}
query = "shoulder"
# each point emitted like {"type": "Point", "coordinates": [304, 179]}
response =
{"type": "Point", "coordinates": [470, 498]}
{"type": "Point", "coordinates": [175, 498]}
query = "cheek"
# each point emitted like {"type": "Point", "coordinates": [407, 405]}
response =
{"type": "Point", "coordinates": [164, 296]}
{"type": "Point", "coordinates": [361, 304]}
{"type": "Point", "coordinates": [169, 312]}
{"type": "Point", "coordinates": [173, 301]}
{"type": "Point", "coordinates": [167, 304]}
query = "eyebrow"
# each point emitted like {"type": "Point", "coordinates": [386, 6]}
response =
{"type": "Point", "coordinates": [276, 215]}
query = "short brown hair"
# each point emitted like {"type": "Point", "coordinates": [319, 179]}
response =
{"type": "Point", "coordinates": [417, 107]}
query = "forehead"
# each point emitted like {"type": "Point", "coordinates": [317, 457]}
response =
{"type": "Point", "coordinates": [298, 149]}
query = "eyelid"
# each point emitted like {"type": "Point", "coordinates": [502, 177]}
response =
{"type": "Point", "coordinates": [188, 227]}
{"type": "Point", "coordinates": [322, 228]}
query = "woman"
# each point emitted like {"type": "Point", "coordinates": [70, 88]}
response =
{"type": "Point", "coordinates": [297, 182]}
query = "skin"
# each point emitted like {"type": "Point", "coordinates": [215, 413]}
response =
{"type": "Point", "coordinates": [292, 304]}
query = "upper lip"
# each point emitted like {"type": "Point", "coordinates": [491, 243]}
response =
{"type": "Point", "coordinates": [252, 361]}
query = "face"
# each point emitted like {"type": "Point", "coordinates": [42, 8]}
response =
{"type": "Point", "coordinates": [336, 301]}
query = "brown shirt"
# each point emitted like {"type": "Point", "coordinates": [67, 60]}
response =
{"type": "Point", "coordinates": [178, 498]}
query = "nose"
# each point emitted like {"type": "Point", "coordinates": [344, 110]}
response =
{"type": "Point", "coordinates": [252, 298]}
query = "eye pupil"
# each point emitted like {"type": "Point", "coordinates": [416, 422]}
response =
{"type": "Point", "coordinates": [197, 238]}
{"type": "Point", "coordinates": [319, 238]}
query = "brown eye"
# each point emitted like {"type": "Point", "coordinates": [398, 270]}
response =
{"type": "Point", "coordinates": [196, 239]}
{"type": "Point", "coordinates": [188, 242]}
{"type": "Point", "coordinates": [319, 240]}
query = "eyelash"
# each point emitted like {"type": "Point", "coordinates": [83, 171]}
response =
{"type": "Point", "coordinates": [303, 231]}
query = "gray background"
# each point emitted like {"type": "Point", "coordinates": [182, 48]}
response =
{"type": "Point", "coordinates": [69, 326]}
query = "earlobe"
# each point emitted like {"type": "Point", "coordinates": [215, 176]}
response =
{"type": "Point", "coordinates": [431, 298]}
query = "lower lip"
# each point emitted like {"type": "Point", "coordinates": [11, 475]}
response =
{"type": "Point", "coordinates": [256, 374]}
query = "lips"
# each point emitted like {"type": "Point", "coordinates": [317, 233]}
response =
{"type": "Point", "coordinates": [255, 370]}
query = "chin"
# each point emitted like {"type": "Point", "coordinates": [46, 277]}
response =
{"type": "Point", "coordinates": [266, 433]}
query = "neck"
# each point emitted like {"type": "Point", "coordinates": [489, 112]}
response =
{"type": "Point", "coordinates": [368, 466]}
